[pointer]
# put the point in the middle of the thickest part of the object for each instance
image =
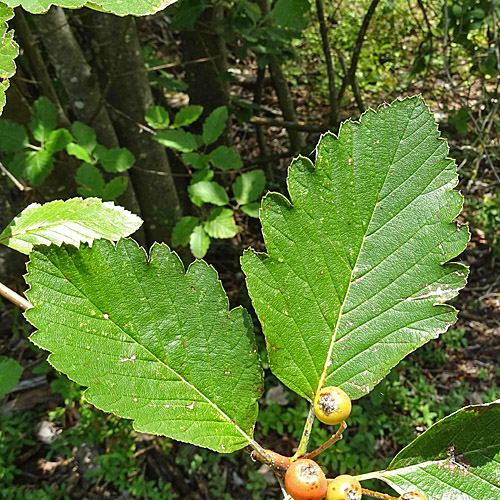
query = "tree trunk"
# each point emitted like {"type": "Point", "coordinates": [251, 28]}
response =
{"type": "Point", "coordinates": [115, 44]}
{"type": "Point", "coordinates": [206, 79]}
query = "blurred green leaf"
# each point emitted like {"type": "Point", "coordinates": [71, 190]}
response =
{"type": "Point", "coordinates": [10, 373]}
{"type": "Point", "coordinates": [85, 136]}
{"type": "Point", "coordinates": [79, 152]}
{"type": "Point", "coordinates": [209, 192]}
{"type": "Point", "coordinates": [177, 139]}
{"type": "Point", "coordinates": [199, 242]}
{"type": "Point", "coordinates": [115, 188]}
{"type": "Point", "coordinates": [58, 140]}
{"type": "Point", "coordinates": [195, 160]}
{"type": "Point", "coordinates": [252, 209]}
{"type": "Point", "coordinates": [37, 166]}
{"type": "Point", "coordinates": [13, 136]}
{"type": "Point", "coordinates": [44, 119]}
{"type": "Point", "coordinates": [220, 223]}
{"type": "Point", "coordinates": [214, 125]}
{"type": "Point", "coordinates": [186, 14]}
{"type": "Point", "coordinates": [115, 160]}
{"type": "Point", "coordinates": [9, 50]}
{"type": "Point", "coordinates": [225, 158]}
{"type": "Point", "coordinates": [291, 14]}
{"type": "Point", "coordinates": [205, 174]}
{"type": "Point", "coordinates": [182, 230]}
{"type": "Point", "coordinates": [249, 186]}
{"type": "Point", "coordinates": [187, 115]}
{"type": "Point", "coordinates": [91, 181]}
{"type": "Point", "coordinates": [157, 117]}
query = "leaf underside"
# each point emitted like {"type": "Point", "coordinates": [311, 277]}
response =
{"type": "Point", "coordinates": [152, 343]}
{"type": "Point", "coordinates": [354, 278]}
{"type": "Point", "coordinates": [119, 7]}
{"type": "Point", "coordinates": [458, 458]}
{"type": "Point", "coordinates": [73, 221]}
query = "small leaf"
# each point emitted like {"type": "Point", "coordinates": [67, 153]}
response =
{"type": "Point", "coordinates": [291, 14]}
{"type": "Point", "coordinates": [225, 158]}
{"type": "Point", "coordinates": [85, 136]}
{"type": "Point", "coordinates": [13, 136]}
{"type": "Point", "coordinates": [119, 7]}
{"type": "Point", "coordinates": [72, 221]}
{"type": "Point", "coordinates": [186, 14]}
{"type": "Point", "coordinates": [355, 276]}
{"type": "Point", "coordinates": [220, 223]}
{"type": "Point", "coordinates": [187, 115]}
{"type": "Point", "coordinates": [152, 342]}
{"type": "Point", "coordinates": [91, 181]}
{"type": "Point", "coordinates": [178, 139]}
{"type": "Point", "coordinates": [209, 192]}
{"type": "Point", "coordinates": [157, 117]}
{"type": "Point", "coordinates": [195, 160]}
{"type": "Point", "coordinates": [252, 209]}
{"type": "Point", "coordinates": [214, 125]}
{"type": "Point", "coordinates": [205, 174]}
{"type": "Point", "coordinates": [10, 373]}
{"type": "Point", "coordinates": [457, 456]}
{"type": "Point", "coordinates": [57, 140]}
{"type": "Point", "coordinates": [9, 50]}
{"type": "Point", "coordinates": [44, 119]}
{"type": "Point", "coordinates": [38, 166]}
{"type": "Point", "coordinates": [115, 160]}
{"type": "Point", "coordinates": [182, 230]}
{"type": "Point", "coordinates": [79, 152]}
{"type": "Point", "coordinates": [249, 186]}
{"type": "Point", "coordinates": [199, 242]}
{"type": "Point", "coordinates": [115, 188]}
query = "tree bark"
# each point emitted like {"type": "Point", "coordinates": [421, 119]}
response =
{"type": "Point", "coordinates": [115, 44]}
{"type": "Point", "coordinates": [297, 142]}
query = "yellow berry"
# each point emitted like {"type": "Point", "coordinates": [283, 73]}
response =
{"type": "Point", "coordinates": [344, 487]}
{"type": "Point", "coordinates": [332, 405]}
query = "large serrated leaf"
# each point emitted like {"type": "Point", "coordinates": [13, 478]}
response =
{"type": "Point", "coordinates": [119, 7]}
{"type": "Point", "coordinates": [9, 50]}
{"type": "Point", "coordinates": [73, 221]}
{"type": "Point", "coordinates": [152, 343]}
{"type": "Point", "coordinates": [456, 459]}
{"type": "Point", "coordinates": [354, 278]}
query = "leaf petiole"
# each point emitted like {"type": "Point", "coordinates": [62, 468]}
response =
{"type": "Point", "coordinates": [301, 450]}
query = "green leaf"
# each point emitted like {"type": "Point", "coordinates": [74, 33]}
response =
{"type": "Point", "coordinates": [152, 343]}
{"type": "Point", "coordinates": [119, 7]}
{"type": "Point", "coordinates": [115, 160]}
{"type": "Point", "coordinates": [209, 192]}
{"type": "Point", "coordinates": [354, 278]}
{"type": "Point", "coordinates": [85, 136]}
{"type": "Point", "coordinates": [225, 158]}
{"type": "Point", "coordinates": [13, 136]}
{"type": "Point", "coordinates": [115, 188]}
{"type": "Point", "coordinates": [205, 174]}
{"type": "Point", "coordinates": [178, 139]}
{"type": "Point", "coordinates": [291, 13]}
{"type": "Point", "coordinates": [91, 181]}
{"type": "Point", "coordinates": [195, 160]}
{"type": "Point", "coordinates": [214, 124]}
{"type": "Point", "coordinates": [157, 117]}
{"type": "Point", "coordinates": [44, 119]}
{"type": "Point", "coordinates": [249, 186]}
{"type": "Point", "coordinates": [252, 209]}
{"type": "Point", "coordinates": [457, 457]}
{"type": "Point", "coordinates": [187, 115]}
{"type": "Point", "coordinates": [220, 223]}
{"type": "Point", "coordinates": [57, 140]}
{"type": "Point", "coordinates": [79, 152]}
{"type": "Point", "coordinates": [37, 166]}
{"type": "Point", "coordinates": [10, 373]}
{"type": "Point", "coordinates": [186, 14]}
{"type": "Point", "coordinates": [9, 50]}
{"type": "Point", "coordinates": [183, 229]}
{"type": "Point", "coordinates": [72, 221]}
{"type": "Point", "coordinates": [199, 242]}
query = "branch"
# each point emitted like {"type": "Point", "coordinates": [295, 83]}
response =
{"type": "Point", "coordinates": [304, 127]}
{"type": "Point", "coordinates": [14, 297]}
{"type": "Point", "coordinates": [350, 78]}
{"type": "Point", "coordinates": [325, 43]}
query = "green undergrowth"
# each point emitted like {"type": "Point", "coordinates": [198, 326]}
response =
{"type": "Point", "coordinates": [402, 406]}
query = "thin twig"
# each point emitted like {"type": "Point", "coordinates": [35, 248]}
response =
{"type": "Point", "coordinates": [304, 127]}
{"type": "Point", "coordinates": [14, 297]}
{"type": "Point", "coordinates": [336, 437]}
{"type": "Point", "coordinates": [13, 179]}
{"type": "Point", "coordinates": [376, 494]}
